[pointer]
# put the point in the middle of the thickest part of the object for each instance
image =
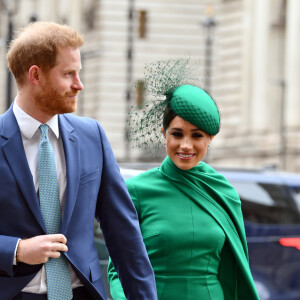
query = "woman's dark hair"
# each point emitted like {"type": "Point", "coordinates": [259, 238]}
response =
{"type": "Point", "coordinates": [168, 116]}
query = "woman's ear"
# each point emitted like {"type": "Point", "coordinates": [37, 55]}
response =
{"type": "Point", "coordinates": [163, 132]}
{"type": "Point", "coordinates": [210, 138]}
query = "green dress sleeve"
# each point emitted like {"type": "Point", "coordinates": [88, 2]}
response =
{"type": "Point", "coordinates": [228, 273]}
{"type": "Point", "coordinates": [116, 289]}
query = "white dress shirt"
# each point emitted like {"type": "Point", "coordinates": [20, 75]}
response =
{"type": "Point", "coordinates": [31, 134]}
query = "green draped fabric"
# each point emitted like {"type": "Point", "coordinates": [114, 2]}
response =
{"type": "Point", "coordinates": [193, 229]}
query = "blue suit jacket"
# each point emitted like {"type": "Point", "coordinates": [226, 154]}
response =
{"type": "Point", "coordinates": [94, 188]}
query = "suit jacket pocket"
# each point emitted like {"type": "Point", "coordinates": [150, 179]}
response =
{"type": "Point", "coordinates": [95, 270]}
{"type": "Point", "coordinates": [86, 178]}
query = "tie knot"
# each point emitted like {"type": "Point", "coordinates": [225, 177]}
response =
{"type": "Point", "coordinates": [44, 131]}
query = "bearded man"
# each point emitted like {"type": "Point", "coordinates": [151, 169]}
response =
{"type": "Point", "coordinates": [58, 172]}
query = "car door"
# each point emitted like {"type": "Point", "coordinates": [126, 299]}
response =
{"type": "Point", "coordinates": [272, 223]}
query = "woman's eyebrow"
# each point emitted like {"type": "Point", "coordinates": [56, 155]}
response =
{"type": "Point", "coordinates": [174, 128]}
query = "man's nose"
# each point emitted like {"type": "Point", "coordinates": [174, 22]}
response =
{"type": "Point", "coordinates": [77, 84]}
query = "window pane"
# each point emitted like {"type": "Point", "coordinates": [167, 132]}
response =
{"type": "Point", "coordinates": [267, 203]}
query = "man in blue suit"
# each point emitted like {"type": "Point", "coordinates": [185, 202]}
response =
{"type": "Point", "coordinates": [45, 61]}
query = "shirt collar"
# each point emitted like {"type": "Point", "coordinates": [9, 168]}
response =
{"type": "Point", "coordinates": [29, 125]}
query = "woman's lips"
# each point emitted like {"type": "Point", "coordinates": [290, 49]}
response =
{"type": "Point", "coordinates": [185, 156]}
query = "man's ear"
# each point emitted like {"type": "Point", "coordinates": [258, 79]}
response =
{"type": "Point", "coordinates": [163, 132]}
{"type": "Point", "coordinates": [34, 74]}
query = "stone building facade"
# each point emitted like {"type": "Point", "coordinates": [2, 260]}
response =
{"type": "Point", "coordinates": [249, 54]}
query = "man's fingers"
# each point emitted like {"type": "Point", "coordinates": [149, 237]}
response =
{"type": "Point", "coordinates": [57, 238]}
{"type": "Point", "coordinates": [54, 254]}
{"type": "Point", "coordinates": [59, 247]}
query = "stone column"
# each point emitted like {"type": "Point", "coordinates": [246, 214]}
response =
{"type": "Point", "coordinates": [246, 86]}
{"type": "Point", "coordinates": [47, 10]}
{"type": "Point", "coordinates": [292, 64]}
{"type": "Point", "coordinates": [259, 74]}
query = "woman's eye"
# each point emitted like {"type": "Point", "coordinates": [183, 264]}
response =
{"type": "Point", "coordinates": [177, 134]}
{"type": "Point", "coordinates": [197, 135]}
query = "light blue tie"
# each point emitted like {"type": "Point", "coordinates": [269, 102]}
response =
{"type": "Point", "coordinates": [57, 270]}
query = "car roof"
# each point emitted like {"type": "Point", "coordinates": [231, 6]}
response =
{"type": "Point", "coordinates": [261, 176]}
{"type": "Point", "coordinates": [265, 176]}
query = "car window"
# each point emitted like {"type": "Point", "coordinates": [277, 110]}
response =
{"type": "Point", "coordinates": [128, 173]}
{"type": "Point", "coordinates": [295, 190]}
{"type": "Point", "coordinates": [267, 203]}
{"type": "Point", "coordinates": [253, 192]}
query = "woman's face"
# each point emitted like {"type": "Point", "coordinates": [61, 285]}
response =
{"type": "Point", "coordinates": [186, 145]}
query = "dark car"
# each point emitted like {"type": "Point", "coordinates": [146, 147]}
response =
{"type": "Point", "coordinates": [271, 206]}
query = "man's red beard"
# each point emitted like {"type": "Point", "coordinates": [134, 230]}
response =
{"type": "Point", "coordinates": [51, 102]}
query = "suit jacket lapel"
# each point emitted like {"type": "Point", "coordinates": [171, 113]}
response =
{"type": "Point", "coordinates": [16, 158]}
{"type": "Point", "coordinates": [71, 149]}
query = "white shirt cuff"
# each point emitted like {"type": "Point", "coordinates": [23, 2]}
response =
{"type": "Point", "coordinates": [15, 256]}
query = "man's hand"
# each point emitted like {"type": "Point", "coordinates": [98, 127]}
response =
{"type": "Point", "coordinates": [39, 249]}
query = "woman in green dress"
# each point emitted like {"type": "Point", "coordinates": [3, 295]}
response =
{"type": "Point", "coordinates": [190, 216]}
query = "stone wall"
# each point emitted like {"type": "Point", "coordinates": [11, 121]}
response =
{"type": "Point", "coordinates": [254, 73]}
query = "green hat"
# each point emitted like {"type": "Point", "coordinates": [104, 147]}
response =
{"type": "Point", "coordinates": [171, 83]}
{"type": "Point", "coordinates": [195, 106]}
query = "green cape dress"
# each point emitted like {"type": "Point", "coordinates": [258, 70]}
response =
{"type": "Point", "coordinates": [193, 229]}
